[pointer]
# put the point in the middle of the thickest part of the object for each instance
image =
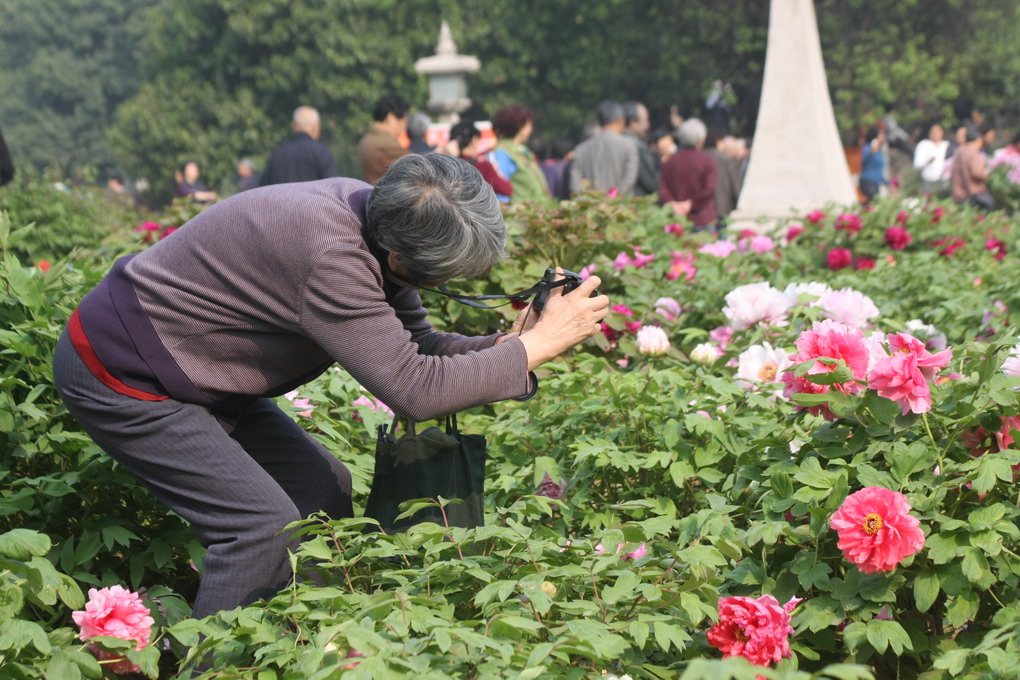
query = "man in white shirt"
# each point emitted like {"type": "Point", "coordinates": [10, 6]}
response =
{"type": "Point", "coordinates": [930, 158]}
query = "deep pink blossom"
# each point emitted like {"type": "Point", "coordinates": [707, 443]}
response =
{"type": "Point", "coordinates": [757, 629]}
{"type": "Point", "coordinates": [587, 271]}
{"type": "Point", "coordinates": [936, 214]}
{"type": "Point", "coordinates": [759, 243]}
{"type": "Point", "coordinates": [838, 258]}
{"type": "Point", "coordinates": [849, 222]}
{"type": "Point", "coordinates": [551, 489]}
{"type": "Point", "coordinates": [681, 264]}
{"type": "Point", "coordinates": [639, 261]}
{"type": "Point", "coordinates": [674, 228]}
{"type": "Point", "coordinates": [876, 530]}
{"type": "Point", "coordinates": [948, 245]}
{"type": "Point", "coordinates": [998, 247]}
{"type": "Point", "coordinates": [793, 231]}
{"type": "Point", "coordinates": [815, 216]}
{"type": "Point", "coordinates": [864, 263]}
{"type": "Point", "coordinates": [897, 238]}
{"type": "Point", "coordinates": [902, 217]}
{"type": "Point", "coordinates": [833, 340]}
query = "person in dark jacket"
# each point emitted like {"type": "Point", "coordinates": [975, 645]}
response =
{"type": "Point", "coordinates": [467, 136]}
{"type": "Point", "coordinates": [302, 158]}
{"type": "Point", "coordinates": [689, 177]}
{"type": "Point", "coordinates": [170, 363]}
{"type": "Point", "coordinates": [6, 165]}
{"type": "Point", "coordinates": [636, 127]}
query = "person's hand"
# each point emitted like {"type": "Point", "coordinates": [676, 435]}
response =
{"type": "Point", "coordinates": [526, 320]}
{"type": "Point", "coordinates": [681, 208]}
{"type": "Point", "coordinates": [566, 321]}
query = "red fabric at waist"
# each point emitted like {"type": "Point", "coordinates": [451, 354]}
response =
{"type": "Point", "coordinates": [88, 356]}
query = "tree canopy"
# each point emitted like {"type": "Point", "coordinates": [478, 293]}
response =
{"type": "Point", "coordinates": [215, 80]}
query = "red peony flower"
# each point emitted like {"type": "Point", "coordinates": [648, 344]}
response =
{"type": "Point", "coordinates": [936, 214]}
{"type": "Point", "coordinates": [949, 245]}
{"type": "Point", "coordinates": [838, 258]}
{"type": "Point", "coordinates": [849, 221]}
{"type": "Point", "coordinates": [815, 216]}
{"type": "Point", "coordinates": [756, 629]}
{"type": "Point", "coordinates": [876, 530]}
{"type": "Point", "coordinates": [902, 217]}
{"type": "Point", "coordinates": [897, 238]}
{"type": "Point", "coordinates": [996, 246]}
{"type": "Point", "coordinates": [43, 265]}
{"type": "Point", "coordinates": [794, 231]}
{"type": "Point", "coordinates": [864, 263]}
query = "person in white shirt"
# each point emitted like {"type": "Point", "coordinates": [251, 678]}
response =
{"type": "Point", "coordinates": [930, 158]}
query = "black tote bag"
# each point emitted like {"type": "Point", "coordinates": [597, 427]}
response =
{"type": "Point", "coordinates": [431, 464]}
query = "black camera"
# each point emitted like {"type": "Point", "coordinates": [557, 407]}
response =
{"type": "Point", "coordinates": [553, 279]}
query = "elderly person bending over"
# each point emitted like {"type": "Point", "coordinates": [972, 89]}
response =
{"type": "Point", "coordinates": [170, 362]}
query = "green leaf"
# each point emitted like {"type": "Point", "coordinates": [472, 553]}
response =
{"type": "Point", "coordinates": [17, 634]}
{"type": "Point", "coordinates": [782, 485]}
{"type": "Point", "coordinates": [23, 544]}
{"type": "Point", "coordinates": [624, 587]}
{"type": "Point", "coordinates": [882, 633]}
{"type": "Point", "coordinates": [854, 636]}
{"type": "Point", "coordinates": [926, 589]}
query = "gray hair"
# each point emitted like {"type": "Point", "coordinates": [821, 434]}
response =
{"type": "Point", "coordinates": [691, 132]}
{"type": "Point", "coordinates": [418, 125]}
{"type": "Point", "coordinates": [438, 216]}
{"type": "Point", "coordinates": [609, 111]}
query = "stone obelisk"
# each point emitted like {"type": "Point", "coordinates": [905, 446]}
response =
{"type": "Point", "coordinates": [797, 162]}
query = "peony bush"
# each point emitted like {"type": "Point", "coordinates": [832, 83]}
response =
{"type": "Point", "coordinates": [760, 422]}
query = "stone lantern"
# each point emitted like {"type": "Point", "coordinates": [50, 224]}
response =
{"type": "Point", "coordinates": [446, 71]}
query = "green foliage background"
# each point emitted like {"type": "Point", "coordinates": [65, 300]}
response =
{"type": "Point", "coordinates": [215, 80]}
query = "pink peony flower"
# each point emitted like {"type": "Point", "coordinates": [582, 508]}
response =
{"type": "Point", "coordinates": [755, 303]}
{"type": "Point", "coordinates": [849, 222]}
{"type": "Point", "coordinates": [876, 530]}
{"type": "Point", "coordinates": [622, 309]}
{"type": "Point", "coordinates": [838, 258]}
{"type": "Point", "coordinates": [793, 231]}
{"type": "Point", "coordinates": [674, 228]}
{"type": "Point", "coordinates": [928, 363]}
{"type": "Point", "coordinates": [756, 629]}
{"type": "Point", "coordinates": [364, 400]}
{"type": "Point", "coordinates": [864, 263]}
{"type": "Point", "coordinates": [668, 308]}
{"type": "Point", "coordinates": [759, 243]}
{"type": "Point", "coordinates": [720, 248]}
{"type": "Point", "coordinates": [847, 306]}
{"type": "Point", "coordinates": [936, 214]}
{"type": "Point", "coordinates": [639, 261]}
{"type": "Point", "coordinates": [836, 341]}
{"type": "Point", "coordinates": [652, 340]}
{"type": "Point", "coordinates": [613, 192]}
{"type": "Point", "coordinates": [902, 217]}
{"type": "Point", "coordinates": [587, 271]}
{"type": "Point", "coordinates": [681, 264]}
{"type": "Point", "coordinates": [815, 216]}
{"type": "Point", "coordinates": [721, 335]}
{"type": "Point", "coordinates": [638, 553]}
{"type": "Point", "coordinates": [115, 612]}
{"type": "Point", "coordinates": [898, 378]}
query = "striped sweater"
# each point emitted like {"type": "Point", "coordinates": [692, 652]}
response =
{"type": "Point", "coordinates": [261, 293]}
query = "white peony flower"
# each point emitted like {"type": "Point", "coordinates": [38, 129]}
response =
{"type": "Point", "coordinates": [705, 353]}
{"type": "Point", "coordinates": [813, 288]}
{"type": "Point", "coordinates": [848, 306]}
{"type": "Point", "coordinates": [754, 303]}
{"type": "Point", "coordinates": [761, 364]}
{"type": "Point", "coordinates": [1011, 366]}
{"type": "Point", "coordinates": [652, 340]}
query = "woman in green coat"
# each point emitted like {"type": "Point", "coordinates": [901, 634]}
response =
{"type": "Point", "coordinates": [513, 126]}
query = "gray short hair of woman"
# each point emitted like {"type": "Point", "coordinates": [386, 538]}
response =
{"type": "Point", "coordinates": [438, 216]}
{"type": "Point", "coordinates": [691, 132]}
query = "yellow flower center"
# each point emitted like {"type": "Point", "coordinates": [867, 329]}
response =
{"type": "Point", "coordinates": [767, 373]}
{"type": "Point", "coordinates": [739, 634]}
{"type": "Point", "coordinates": [872, 524]}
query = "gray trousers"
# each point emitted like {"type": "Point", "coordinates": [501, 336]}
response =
{"type": "Point", "coordinates": [238, 491]}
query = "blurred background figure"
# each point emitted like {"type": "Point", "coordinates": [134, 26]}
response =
{"type": "Point", "coordinates": [115, 186]}
{"type": "Point", "coordinates": [417, 128]}
{"type": "Point", "coordinates": [689, 178]}
{"type": "Point", "coordinates": [513, 159]}
{"type": "Point", "coordinates": [189, 183]}
{"type": "Point", "coordinates": [970, 172]}
{"type": "Point", "coordinates": [302, 158]}
{"type": "Point", "coordinates": [662, 142]}
{"type": "Point", "coordinates": [727, 186]}
{"type": "Point", "coordinates": [930, 157]}
{"type": "Point", "coordinates": [379, 146]}
{"type": "Point", "coordinates": [873, 164]}
{"type": "Point", "coordinates": [636, 124]}
{"type": "Point", "coordinates": [6, 165]}
{"type": "Point", "coordinates": [246, 176]}
{"type": "Point", "coordinates": [608, 160]}
{"type": "Point", "coordinates": [467, 136]}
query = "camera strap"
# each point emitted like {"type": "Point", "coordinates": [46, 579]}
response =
{"type": "Point", "coordinates": [476, 300]}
